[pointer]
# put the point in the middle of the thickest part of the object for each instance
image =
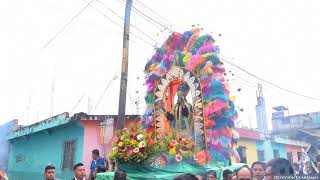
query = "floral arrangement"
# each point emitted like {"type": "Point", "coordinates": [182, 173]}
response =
{"type": "Point", "coordinates": [133, 146]}
{"type": "Point", "coordinates": [137, 146]}
{"type": "Point", "coordinates": [177, 146]}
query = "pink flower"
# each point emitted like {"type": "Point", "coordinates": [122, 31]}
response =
{"type": "Point", "coordinates": [130, 151]}
{"type": "Point", "coordinates": [173, 143]}
{"type": "Point", "coordinates": [178, 158]}
{"type": "Point", "coordinates": [124, 130]}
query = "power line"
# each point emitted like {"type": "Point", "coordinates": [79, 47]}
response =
{"type": "Point", "coordinates": [59, 32]}
{"type": "Point", "coordinates": [68, 23]}
{"type": "Point", "coordinates": [104, 91]}
{"type": "Point", "coordinates": [148, 18]}
{"type": "Point", "coordinates": [78, 102]}
{"type": "Point", "coordinates": [235, 75]}
{"type": "Point", "coordinates": [252, 85]}
{"type": "Point", "coordinates": [151, 18]}
{"type": "Point", "coordinates": [270, 83]}
{"type": "Point", "coordinates": [104, 15]}
{"type": "Point", "coordinates": [245, 78]}
{"type": "Point", "coordinates": [143, 40]}
{"type": "Point", "coordinates": [153, 11]}
{"type": "Point", "coordinates": [119, 25]}
{"type": "Point", "coordinates": [135, 27]}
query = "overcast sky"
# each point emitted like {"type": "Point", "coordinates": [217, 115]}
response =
{"type": "Point", "coordinates": [275, 40]}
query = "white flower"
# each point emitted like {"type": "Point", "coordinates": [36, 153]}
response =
{"type": "Point", "coordinates": [139, 136]}
{"type": "Point", "coordinates": [142, 144]}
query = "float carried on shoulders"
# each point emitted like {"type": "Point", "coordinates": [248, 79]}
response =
{"type": "Point", "coordinates": [188, 124]}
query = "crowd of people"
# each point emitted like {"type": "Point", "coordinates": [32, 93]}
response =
{"type": "Point", "coordinates": [98, 165]}
{"type": "Point", "coordinates": [258, 171]}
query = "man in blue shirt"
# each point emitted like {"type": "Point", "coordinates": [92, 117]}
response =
{"type": "Point", "coordinates": [96, 161]}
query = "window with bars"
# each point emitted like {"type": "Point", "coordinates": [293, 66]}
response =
{"type": "Point", "coordinates": [243, 154]}
{"type": "Point", "coordinates": [260, 155]}
{"type": "Point", "coordinates": [289, 157]}
{"type": "Point", "coordinates": [276, 153]}
{"type": "Point", "coordinates": [68, 154]}
{"type": "Point", "coordinates": [299, 156]}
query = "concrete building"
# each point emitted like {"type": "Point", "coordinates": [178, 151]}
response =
{"type": "Point", "coordinates": [5, 129]}
{"type": "Point", "coordinates": [61, 141]}
{"type": "Point", "coordinates": [270, 144]}
{"type": "Point", "coordinates": [303, 127]}
{"type": "Point", "coordinates": [253, 146]}
{"type": "Point", "coordinates": [64, 141]}
{"type": "Point", "coordinates": [247, 145]}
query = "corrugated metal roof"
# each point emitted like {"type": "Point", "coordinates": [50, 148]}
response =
{"type": "Point", "coordinates": [40, 126]}
{"type": "Point", "coordinates": [62, 119]}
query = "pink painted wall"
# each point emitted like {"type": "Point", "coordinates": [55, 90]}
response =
{"type": "Point", "coordinates": [91, 141]}
{"type": "Point", "coordinates": [294, 150]}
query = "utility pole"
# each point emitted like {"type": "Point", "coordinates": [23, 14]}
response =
{"type": "Point", "coordinates": [124, 67]}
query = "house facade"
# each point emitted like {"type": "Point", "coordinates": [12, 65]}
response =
{"type": "Point", "coordinates": [5, 129]}
{"type": "Point", "coordinates": [253, 146]}
{"type": "Point", "coordinates": [64, 141]}
{"type": "Point", "coordinates": [61, 141]}
{"type": "Point", "coordinates": [247, 145]}
{"type": "Point", "coordinates": [302, 127]}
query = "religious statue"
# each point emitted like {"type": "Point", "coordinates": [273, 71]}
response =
{"type": "Point", "coordinates": [181, 116]}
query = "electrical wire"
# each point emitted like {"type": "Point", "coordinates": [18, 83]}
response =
{"type": "Point", "coordinates": [148, 18]}
{"type": "Point", "coordinates": [245, 79]}
{"type": "Point", "coordinates": [119, 25]}
{"type": "Point", "coordinates": [104, 91]}
{"type": "Point", "coordinates": [151, 18]}
{"type": "Point", "coordinates": [135, 27]}
{"type": "Point", "coordinates": [68, 23]}
{"type": "Point", "coordinates": [155, 25]}
{"type": "Point", "coordinates": [154, 12]}
{"type": "Point", "coordinates": [78, 102]}
{"type": "Point", "coordinates": [268, 82]}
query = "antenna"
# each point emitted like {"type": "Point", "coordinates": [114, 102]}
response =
{"type": "Point", "coordinates": [78, 103]}
{"type": "Point", "coordinates": [259, 93]}
{"type": "Point", "coordinates": [105, 90]}
{"type": "Point", "coordinates": [28, 107]}
{"type": "Point", "coordinates": [89, 106]}
{"type": "Point", "coordinates": [250, 122]}
{"type": "Point", "coordinates": [52, 91]}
